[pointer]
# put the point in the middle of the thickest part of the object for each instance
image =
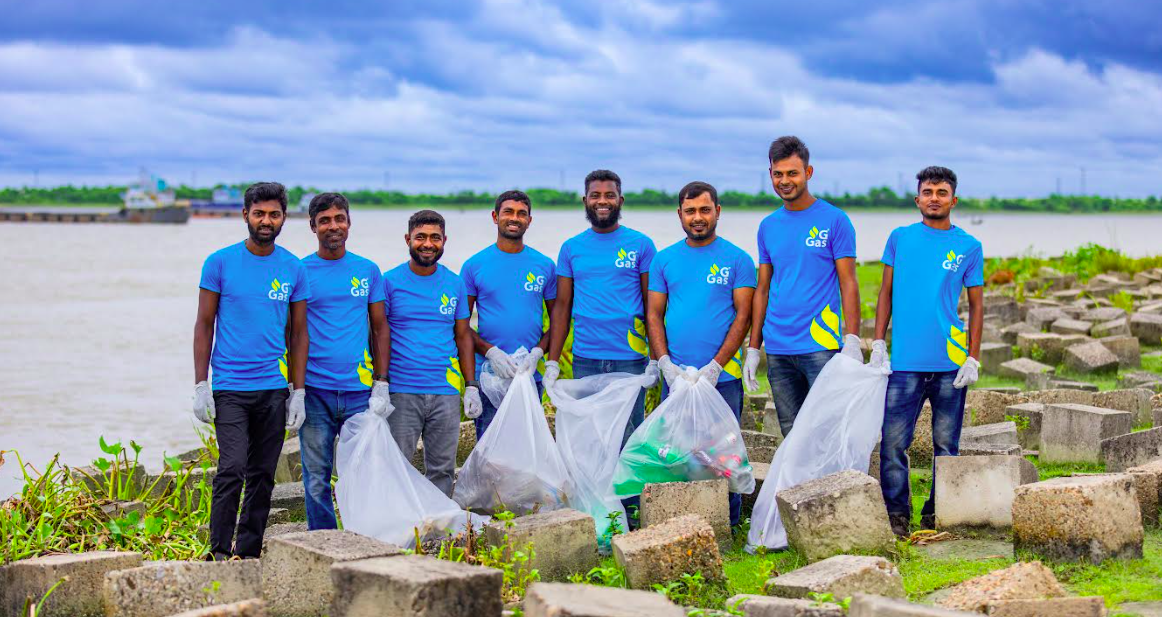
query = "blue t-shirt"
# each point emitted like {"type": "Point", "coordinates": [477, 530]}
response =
{"type": "Point", "coordinates": [929, 268]}
{"type": "Point", "coordinates": [341, 290]}
{"type": "Point", "coordinates": [422, 312]}
{"type": "Point", "coordinates": [700, 284]}
{"type": "Point", "coordinates": [608, 319]}
{"type": "Point", "coordinates": [803, 308]}
{"type": "Point", "coordinates": [510, 291]}
{"type": "Point", "coordinates": [254, 294]}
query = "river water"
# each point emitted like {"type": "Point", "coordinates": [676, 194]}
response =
{"type": "Point", "coordinates": [97, 320]}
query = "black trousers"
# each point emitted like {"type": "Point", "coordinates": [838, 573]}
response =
{"type": "Point", "coordinates": [250, 427]}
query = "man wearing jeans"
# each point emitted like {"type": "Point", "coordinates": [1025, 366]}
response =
{"type": "Point", "coordinates": [431, 344]}
{"type": "Point", "coordinates": [342, 379]}
{"type": "Point", "coordinates": [511, 285]}
{"type": "Point", "coordinates": [934, 357]}
{"type": "Point", "coordinates": [699, 304]}
{"type": "Point", "coordinates": [252, 303]}
{"type": "Point", "coordinates": [602, 281]}
{"type": "Point", "coordinates": [806, 266]}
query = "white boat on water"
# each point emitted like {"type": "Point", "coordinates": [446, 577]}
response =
{"type": "Point", "coordinates": [149, 191]}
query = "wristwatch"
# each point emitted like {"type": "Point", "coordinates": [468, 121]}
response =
{"type": "Point", "coordinates": [380, 377]}
{"type": "Point", "coordinates": [473, 384]}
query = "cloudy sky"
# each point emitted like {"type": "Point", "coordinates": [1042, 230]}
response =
{"type": "Point", "coordinates": [426, 95]}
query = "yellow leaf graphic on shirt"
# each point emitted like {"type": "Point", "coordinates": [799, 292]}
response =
{"type": "Point", "coordinates": [453, 375]}
{"type": "Point", "coordinates": [957, 345]}
{"type": "Point", "coordinates": [825, 339]}
{"type": "Point", "coordinates": [830, 319]}
{"type": "Point", "coordinates": [365, 369]}
{"type": "Point", "coordinates": [734, 365]}
{"type": "Point", "coordinates": [354, 282]}
{"type": "Point", "coordinates": [637, 337]}
{"type": "Point", "coordinates": [283, 367]}
{"type": "Point", "coordinates": [958, 335]}
{"type": "Point", "coordinates": [443, 300]}
{"type": "Point", "coordinates": [621, 253]}
{"type": "Point", "coordinates": [275, 285]}
{"type": "Point", "coordinates": [714, 269]}
{"type": "Point", "coordinates": [530, 278]}
{"type": "Point", "coordinates": [951, 256]}
{"type": "Point", "coordinates": [814, 231]}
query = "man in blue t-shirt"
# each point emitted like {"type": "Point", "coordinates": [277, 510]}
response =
{"type": "Point", "coordinates": [934, 356]}
{"type": "Point", "coordinates": [701, 290]}
{"type": "Point", "coordinates": [510, 285]}
{"type": "Point", "coordinates": [602, 282]}
{"type": "Point", "coordinates": [248, 290]}
{"type": "Point", "coordinates": [431, 351]}
{"type": "Point", "coordinates": [345, 315]}
{"type": "Point", "coordinates": [806, 281]}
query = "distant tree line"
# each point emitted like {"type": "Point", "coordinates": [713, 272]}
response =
{"type": "Point", "coordinates": [882, 197]}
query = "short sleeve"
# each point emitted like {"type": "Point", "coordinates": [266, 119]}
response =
{"type": "Point", "coordinates": [889, 257]}
{"type": "Point", "coordinates": [462, 311]}
{"type": "Point", "coordinates": [302, 290]}
{"type": "Point", "coordinates": [657, 279]}
{"type": "Point", "coordinates": [551, 282]}
{"type": "Point", "coordinates": [842, 237]}
{"type": "Point", "coordinates": [564, 261]}
{"type": "Point", "coordinates": [646, 259]}
{"type": "Point", "coordinates": [387, 288]}
{"type": "Point", "coordinates": [468, 275]}
{"type": "Point", "coordinates": [744, 272]}
{"type": "Point", "coordinates": [974, 268]}
{"type": "Point", "coordinates": [377, 293]}
{"type": "Point", "coordinates": [764, 254]}
{"type": "Point", "coordinates": [212, 274]}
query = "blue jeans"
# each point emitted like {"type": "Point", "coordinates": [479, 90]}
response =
{"type": "Point", "coordinates": [907, 392]}
{"type": "Point", "coordinates": [791, 377]}
{"type": "Point", "coordinates": [489, 411]}
{"type": "Point", "coordinates": [327, 410]}
{"type": "Point", "coordinates": [584, 367]}
{"type": "Point", "coordinates": [731, 391]}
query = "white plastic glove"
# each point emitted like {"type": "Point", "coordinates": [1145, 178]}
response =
{"type": "Point", "coordinates": [473, 407]}
{"type": "Point", "coordinates": [296, 409]}
{"type": "Point", "coordinates": [204, 403]}
{"type": "Point", "coordinates": [968, 374]}
{"type": "Point", "coordinates": [669, 370]}
{"type": "Point", "coordinates": [502, 364]}
{"type": "Point", "coordinates": [851, 347]}
{"type": "Point", "coordinates": [552, 372]}
{"type": "Point", "coordinates": [530, 362]}
{"type": "Point", "coordinates": [879, 353]}
{"type": "Point", "coordinates": [750, 369]}
{"type": "Point", "coordinates": [652, 373]}
{"type": "Point", "coordinates": [710, 372]}
{"type": "Point", "coordinates": [380, 401]}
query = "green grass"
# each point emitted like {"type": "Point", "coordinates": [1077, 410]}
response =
{"type": "Point", "coordinates": [869, 275]}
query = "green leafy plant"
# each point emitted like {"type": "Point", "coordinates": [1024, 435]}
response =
{"type": "Point", "coordinates": [1036, 353]}
{"type": "Point", "coordinates": [32, 609]}
{"type": "Point", "coordinates": [1022, 422]}
{"type": "Point", "coordinates": [604, 576]}
{"type": "Point", "coordinates": [513, 561]}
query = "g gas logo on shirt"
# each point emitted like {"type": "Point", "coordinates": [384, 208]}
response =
{"type": "Point", "coordinates": [952, 263]}
{"type": "Point", "coordinates": [448, 305]}
{"type": "Point", "coordinates": [534, 283]}
{"type": "Point", "coordinates": [279, 292]}
{"type": "Point", "coordinates": [626, 259]}
{"type": "Point", "coordinates": [817, 237]}
{"type": "Point", "coordinates": [359, 287]}
{"type": "Point", "coordinates": [718, 276]}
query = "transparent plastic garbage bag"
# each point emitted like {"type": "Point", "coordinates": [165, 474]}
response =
{"type": "Point", "coordinates": [591, 416]}
{"type": "Point", "coordinates": [692, 435]}
{"type": "Point", "coordinates": [382, 496]}
{"type": "Point", "coordinates": [516, 465]}
{"type": "Point", "coordinates": [837, 428]}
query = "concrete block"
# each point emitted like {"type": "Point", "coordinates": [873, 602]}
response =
{"type": "Point", "coordinates": [1073, 433]}
{"type": "Point", "coordinates": [1088, 606]}
{"type": "Point", "coordinates": [755, 401]}
{"type": "Point", "coordinates": [839, 513]}
{"type": "Point", "coordinates": [80, 595]}
{"type": "Point", "coordinates": [761, 454]}
{"type": "Point", "coordinates": [760, 475]}
{"type": "Point", "coordinates": [977, 491]}
{"type": "Point", "coordinates": [1061, 395]}
{"type": "Point", "coordinates": [1132, 449]}
{"type": "Point", "coordinates": [1147, 327]}
{"type": "Point", "coordinates": [1041, 346]}
{"type": "Point", "coordinates": [1042, 318]}
{"type": "Point", "coordinates": [1126, 348]}
{"type": "Point", "coordinates": [1029, 425]}
{"type": "Point", "coordinates": [665, 551]}
{"type": "Point", "coordinates": [1090, 358]}
{"type": "Point", "coordinates": [840, 576]}
{"type": "Point", "coordinates": [1020, 368]}
{"type": "Point", "coordinates": [296, 568]}
{"type": "Point", "coordinates": [756, 439]}
{"type": "Point", "coordinates": [988, 449]}
{"type": "Point", "coordinates": [564, 600]}
{"type": "Point", "coordinates": [1009, 333]}
{"type": "Point", "coordinates": [767, 606]}
{"type": "Point", "coordinates": [290, 462]}
{"type": "Point", "coordinates": [1089, 518]}
{"type": "Point", "coordinates": [997, 434]}
{"type": "Point", "coordinates": [988, 406]}
{"type": "Point", "coordinates": [1065, 384]}
{"type": "Point", "coordinates": [165, 588]}
{"type": "Point", "coordinates": [1103, 314]}
{"type": "Point", "coordinates": [771, 422]}
{"type": "Point", "coordinates": [245, 608]}
{"type": "Point", "coordinates": [291, 496]}
{"type": "Point", "coordinates": [1038, 381]}
{"type": "Point", "coordinates": [1114, 327]}
{"type": "Point", "coordinates": [466, 443]}
{"type": "Point", "coordinates": [1019, 581]}
{"type": "Point", "coordinates": [415, 586]}
{"type": "Point", "coordinates": [1138, 379]}
{"type": "Point", "coordinates": [864, 605]}
{"type": "Point", "coordinates": [1134, 400]}
{"type": "Point", "coordinates": [564, 541]}
{"type": "Point", "coordinates": [1146, 490]}
{"type": "Point", "coordinates": [992, 355]}
{"type": "Point", "coordinates": [706, 498]}
{"type": "Point", "coordinates": [1071, 326]}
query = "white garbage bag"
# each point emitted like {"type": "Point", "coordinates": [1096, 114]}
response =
{"type": "Point", "coordinates": [382, 496]}
{"type": "Point", "coordinates": [516, 465]}
{"type": "Point", "coordinates": [591, 416]}
{"type": "Point", "coordinates": [692, 435]}
{"type": "Point", "coordinates": [837, 428]}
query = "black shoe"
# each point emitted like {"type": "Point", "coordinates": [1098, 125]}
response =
{"type": "Point", "coordinates": [900, 524]}
{"type": "Point", "coordinates": [928, 521]}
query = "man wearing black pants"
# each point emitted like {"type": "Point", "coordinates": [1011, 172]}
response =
{"type": "Point", "coordinates": [248, 292]}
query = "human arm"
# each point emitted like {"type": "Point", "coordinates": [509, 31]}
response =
{"type": "Point", "coordinates": [204, 333]}
{"type": "Point", "coordinates": [975, 320]}
{"type": "Point", "coordinates": [758, 305]}
{"type": "Point", "coordinates": [849, 294]}
{"type": "Point", "coordinates": [743, 300]}
{"type": "Point", "coordinates": [380, 337]}
{"type": "Point", "coordinates": [299, 344]}
{"type": "Point", "coordinates": [465, 349]}
{"type": "Point", "coordinates": [656, 323]}
{"type": "Point", "coordinates": [560, 316]}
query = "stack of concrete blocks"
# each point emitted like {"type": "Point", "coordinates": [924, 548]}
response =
{"type": "Point", "coordinates": [665, 551]}
{"type": "Point", "coordinates": [705, 498]}
{"type": "Point", "coordinates": [82, 594]}
{"type": "Point", "coordinates": [296, 573]}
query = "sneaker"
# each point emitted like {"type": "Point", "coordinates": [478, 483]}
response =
{"type": "Point", "coordinates": [900, 524]}
{"type": "Point", "coordinates": [928, 521]}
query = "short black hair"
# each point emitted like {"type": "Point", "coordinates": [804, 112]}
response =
{"type": "Point", "coordinates": [264, 191]}
{"type": "Point", "coordinates": [787, 146]}
{"type": "Point", "coordinates": [513, 195]}
{"type": "Point", "coordinates": [602, 175]}
{"type": "Point", "coordinates": [425, 217]}
{"type": "Point", "coordinates": [936, 174]}
{"type": "Point", "coordinates": [326, 201]}
{"type": "Point", "coordinates": [696, 189]}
